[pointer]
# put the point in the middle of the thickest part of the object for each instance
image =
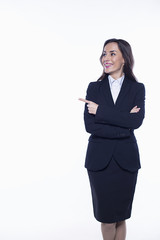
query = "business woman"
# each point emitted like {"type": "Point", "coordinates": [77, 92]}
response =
{"type": "Point", "coordinates": [114, 108]}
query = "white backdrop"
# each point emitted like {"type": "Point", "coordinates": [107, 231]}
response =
{"type": "Point", "coordinates": [49, 52]}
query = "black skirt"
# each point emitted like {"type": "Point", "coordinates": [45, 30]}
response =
{"type": "Point", "coordinates": [112, 193]}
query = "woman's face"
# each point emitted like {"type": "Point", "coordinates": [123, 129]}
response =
{"type": "Point", "coordinates": [112, 60]}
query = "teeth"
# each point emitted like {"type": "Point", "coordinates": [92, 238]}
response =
{"type": "Point", "coordinates": [107, 65]}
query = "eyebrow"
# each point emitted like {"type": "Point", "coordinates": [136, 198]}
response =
{"type": "Point", "coordinates": [110, 51]}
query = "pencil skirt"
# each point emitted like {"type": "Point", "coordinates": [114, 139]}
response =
{"type": "Point", "coordinates": [112, 191]}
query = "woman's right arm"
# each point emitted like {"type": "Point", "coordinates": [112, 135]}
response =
{"type": "Point", "coordinates": [100, 129]}
{"type": "Point", "coordinates": [108, 115]}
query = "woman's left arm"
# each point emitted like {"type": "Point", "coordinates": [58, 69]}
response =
{"type": "Point", "coordinates": [105, 114]}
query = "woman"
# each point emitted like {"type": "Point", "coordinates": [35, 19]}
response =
{"type": "Point", "coordinates": [114, 108]}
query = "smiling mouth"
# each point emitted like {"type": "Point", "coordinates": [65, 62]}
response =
{"type": "Point", "coordinates": [108, 65]}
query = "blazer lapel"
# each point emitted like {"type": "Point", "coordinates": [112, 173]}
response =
{"type": "Point", "coordinates": [124, 90]}
{"type": "Point", "coordinates": [107, 92]}
{"type": "Point", "coordinates": [107, 95]}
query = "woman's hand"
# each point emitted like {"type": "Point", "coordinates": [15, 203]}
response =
{"type": "Point", "coordinates": [135, 110]}
{"type": "Point", "coordinates": [92, 107]}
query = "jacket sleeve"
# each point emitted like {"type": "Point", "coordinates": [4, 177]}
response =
{"type": "Point", "coordinates": [101, 129]}
{"type": "Point", "coordinates": [107, 115]}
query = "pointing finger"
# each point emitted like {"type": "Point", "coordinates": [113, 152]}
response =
{"type": "Point", "coordinates": [84, 100]}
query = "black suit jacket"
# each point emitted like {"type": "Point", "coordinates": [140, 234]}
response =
{"type": "Point", "coordinates": [112, 128]}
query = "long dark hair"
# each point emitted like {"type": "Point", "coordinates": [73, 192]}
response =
{"type": "Point", "coordinates": [126, 51]}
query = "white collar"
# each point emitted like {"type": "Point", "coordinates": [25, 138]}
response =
{"type": "Point", "coordinates": [119, 80]}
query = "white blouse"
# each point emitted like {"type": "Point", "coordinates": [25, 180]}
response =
{"type": "Point", "coordinates": [115, 86]}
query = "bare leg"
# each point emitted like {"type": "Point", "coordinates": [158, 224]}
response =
{"type": "Point", "coordinates": [108, 231]}
{"type": "Point", "coordinates": [120, 231]}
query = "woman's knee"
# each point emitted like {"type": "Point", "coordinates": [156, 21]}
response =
{"type": "Point", "coordinates": [108, 226]}
{"type": "Point", "coordinates": [120, 223]}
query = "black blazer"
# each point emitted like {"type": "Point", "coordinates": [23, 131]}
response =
{"type": "Point", "coordinates": [112, 128]}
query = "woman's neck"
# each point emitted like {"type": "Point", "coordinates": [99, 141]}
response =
{"type": "Point", "coordinates": [116, 76]}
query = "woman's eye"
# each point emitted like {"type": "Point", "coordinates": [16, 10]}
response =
{"type": "Point", "coordinates": [113, 54]}
{"type": "Point", "coordinates": [103, 54]}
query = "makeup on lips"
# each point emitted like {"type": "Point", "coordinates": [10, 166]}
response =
{"type": "Point", "coordinates": [107, 65]}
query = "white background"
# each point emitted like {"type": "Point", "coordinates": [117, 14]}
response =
{"type": "Point", "coordinates": [49, 52]}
